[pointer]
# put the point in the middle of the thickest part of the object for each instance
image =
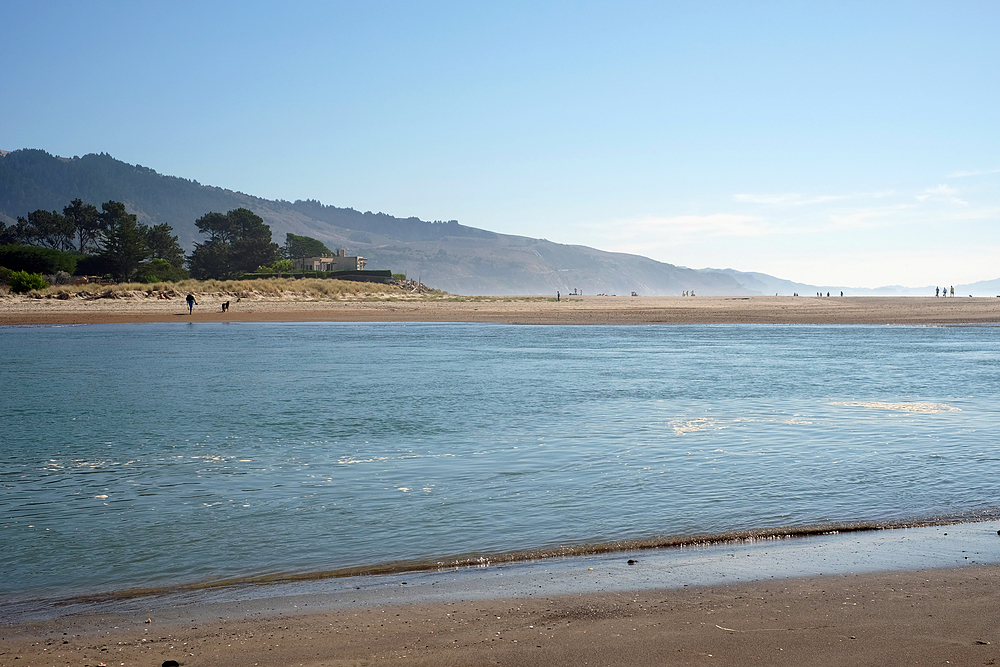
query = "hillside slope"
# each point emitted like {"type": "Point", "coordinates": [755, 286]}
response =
{"type": "Point", "coordinates": [445, 255]}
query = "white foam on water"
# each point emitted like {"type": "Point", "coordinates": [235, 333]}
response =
{"type": "Point", "coordinates": [899, 406]}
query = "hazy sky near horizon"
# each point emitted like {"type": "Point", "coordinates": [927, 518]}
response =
{"type": "Point", "coordinates": [841, 143]}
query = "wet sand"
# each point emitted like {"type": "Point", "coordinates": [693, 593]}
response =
{"type": "Point", "coordinates": [920, 596]}
{"type": "Point", "coordinates": [923, 617]}
{"type": "Point", "coordinates": [513, 310]}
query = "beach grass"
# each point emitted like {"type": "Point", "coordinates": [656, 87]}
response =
{"type": "Point", "coordinates": [277, 288]}
{"type": "Point", "coordinates": [288, 288]}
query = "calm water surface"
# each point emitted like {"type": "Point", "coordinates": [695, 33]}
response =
{"type": "Point", "coordinates": [162, 454]}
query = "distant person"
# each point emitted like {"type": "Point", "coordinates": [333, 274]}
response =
{"type": "Point", "coordinates": [841, 292]}
{"type": "Point", "coordinates": [937, 291]}
{"type": "Point", "coordinates": [953, 290]}
{"type": "Point", "coordinates": [191, 303]}
{"type": "Point", "coordinates": [557, 295]}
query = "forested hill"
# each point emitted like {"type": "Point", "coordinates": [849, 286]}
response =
{"type": "Point", "coordinates": [445, 255]}
{"type": "Point", "coordinates": [33, 179]}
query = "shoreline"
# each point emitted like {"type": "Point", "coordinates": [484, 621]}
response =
{"type": "Point", "coordinates": [905, 596]}
{"type": "Point", "coordinates": [660, 547]}
{"type": "Point", "coordinates": [599, 310]}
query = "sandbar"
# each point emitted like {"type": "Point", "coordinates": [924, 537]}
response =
{"type": "Point", "coordinates": [569, 310]}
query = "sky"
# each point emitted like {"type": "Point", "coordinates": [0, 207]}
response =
{"type": "Point", "coordinates": [837, 143]}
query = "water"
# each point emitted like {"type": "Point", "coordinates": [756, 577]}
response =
{"type": "Point", "coordinates": [163, 455]}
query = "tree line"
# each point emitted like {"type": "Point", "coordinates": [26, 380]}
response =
{"type": "Point", "coordinates": [238, 242]}
{"type": "Point", "coordinates": [111, 241]}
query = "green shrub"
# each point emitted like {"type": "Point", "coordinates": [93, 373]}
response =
{"type": "Point", "coordinates": [399, 276]}
{"type": "Point", "coordinates": [5, 275]}
{"type": "Point", "coordinates": [160, 270]}
{"type": "Point", "coordinates": [37, 260]}
{"type": "Point", "coordinates": [22, 282]}
{"type": "Point", "coordinates": [281, 266]}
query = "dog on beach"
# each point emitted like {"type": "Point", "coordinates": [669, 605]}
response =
{"type": "Point", "coordinates": [225, 306]}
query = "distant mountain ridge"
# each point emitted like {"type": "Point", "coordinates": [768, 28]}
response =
{"type": "Point", "coordinates": [444, 254]}
{"type": "Point", "coordinates": [765, 284]}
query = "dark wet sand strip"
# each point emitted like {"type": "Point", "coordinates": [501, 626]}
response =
{"type": "Point", "coordinates": [643, 613]}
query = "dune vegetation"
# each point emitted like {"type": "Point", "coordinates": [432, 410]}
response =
{"type": "Point", "coordinates": [269, 288]}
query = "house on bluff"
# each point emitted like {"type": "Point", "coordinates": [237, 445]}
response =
{"type": "Point", "coordinates": [339, 262]}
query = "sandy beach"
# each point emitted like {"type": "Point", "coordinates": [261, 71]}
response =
{"type": "Point", "coordinates": [922, 617]}
{"type": "Point", "coordinates": [511, 310]}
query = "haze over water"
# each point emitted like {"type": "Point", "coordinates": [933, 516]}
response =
{"type": "Point", "coordinates": [156, 455]}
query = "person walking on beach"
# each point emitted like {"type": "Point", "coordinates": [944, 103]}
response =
{"type": "Point", "coordinates": [191, 303]}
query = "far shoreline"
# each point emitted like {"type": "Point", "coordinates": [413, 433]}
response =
{"type": "Point", "coordinates": [567, 310]}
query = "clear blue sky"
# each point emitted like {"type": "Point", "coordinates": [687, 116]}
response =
{"type": "Point", "coordinates": [838, 143]}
